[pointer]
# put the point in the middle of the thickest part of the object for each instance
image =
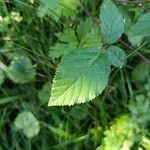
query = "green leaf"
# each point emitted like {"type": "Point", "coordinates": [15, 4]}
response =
{"type": "Point", "coordinates": [117, 56]}
{"type": "Point", "coordinates": [58, 8]}
{"type": "Point", "coordinates": [111, 22]}
{"type": "Point", "coordinates": [21, 70]}
{"type": "Point", "coordinates": [139, 30]}
{"type": "Point", "coordinates": [67, 42]}
{"type": "Point", "coordinates": [27, 122]}
{"type": "Point", "coordinates": [80, 77]}
{"type": "Point", "coordinates": [88, 34]}
{"type": "Point", "coordinates": [142, 26]}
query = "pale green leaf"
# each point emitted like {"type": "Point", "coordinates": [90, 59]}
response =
{"type": "Point", "coordinates": [80, 77]}
{"type": "Point", "coordinates": [117, 56]}
{"type": "Point", "coordinates": [120, 136]}
{"type": "Point", "coordinates": [27, 122]}
{"type": "Point", "coordinates": [111, 22]}
{"type": "Point", "coordinates": [21, 70]}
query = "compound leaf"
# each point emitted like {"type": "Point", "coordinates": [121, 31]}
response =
{"type": "Point", "coordinates": [111, 22]}
{"type": "Point", "coordinates": [80, 77]}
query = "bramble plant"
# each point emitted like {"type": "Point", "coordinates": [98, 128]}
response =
{"type": "Point", "coordinates": [83, 73]}
{"type": "Point", "coordinates": [84, 51]}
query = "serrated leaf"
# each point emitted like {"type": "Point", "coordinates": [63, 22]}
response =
{"type": "Point", "coordinates": [21, 70]}
{"type": "Point", "coordinates": [80, 77]}
{"type": "Point", "coordinates": [27, 122]}
{"type": "Point", "coordinates": [58, 8]}
{"type": "Point", "coordinates": [117, 56]}
{"type": "Point", "coordinates": [111, 22]}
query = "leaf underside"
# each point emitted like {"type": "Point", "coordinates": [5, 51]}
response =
{"type": "Point", "coordinates": [80, 77]}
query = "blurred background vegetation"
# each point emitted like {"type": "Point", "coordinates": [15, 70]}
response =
{"type": "Point", "coordinates": [33, 37]}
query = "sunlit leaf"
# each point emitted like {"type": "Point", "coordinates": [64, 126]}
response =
{"type": "Point", "coordinates": [80, 77]}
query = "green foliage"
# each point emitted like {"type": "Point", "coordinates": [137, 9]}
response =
{"type": "Point", "coordinates": [27, 122]}
{"type": "Point", "coordinates": [69, 83]}
{"type": "Point", "coordinates": [140, 109]}
{"type": "Point", "coordinates": [21, 70]}
{"type": "Point", "coordinates": [2, 76]}
{"type": "Point", "coordinates": [58, 8]}
{"type": "Point", "coordinates": [67, 42]}
{"type": "Point", "coordinates": [117, 56]}
{"type": "Point", "coordinates": [140, 29]}
{"type": "Point", "coordinates": [111, 22]}
{"type": "Point", "coordinates": [120, 136]}
{"type": "Point", "coordinates": [80, 77]}
{"type": "Point", "coordinates": [86, 35]}
{"type": "Point", "coordinates": [46, 33]}
{"type": "Point", "coordinates": [44, 93]}
{"type": "Point", "coordinates": [141, 72]}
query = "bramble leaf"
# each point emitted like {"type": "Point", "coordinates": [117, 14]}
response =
{"type": "Point", "coordinates": [117, 56]}
{"type": "Point", "coordinates": [111, 22]}
{"type": "Point", "coordinates": [80, 77]}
